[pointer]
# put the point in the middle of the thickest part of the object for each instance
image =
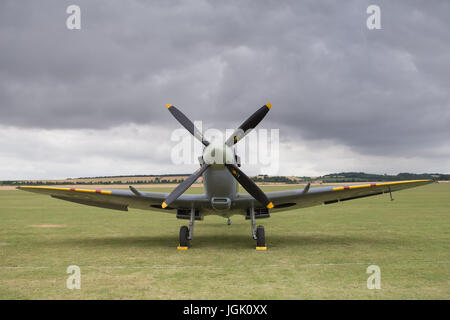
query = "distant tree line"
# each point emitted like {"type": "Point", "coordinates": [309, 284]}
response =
{"type": "Point", "coordinates": [137, 175]}
{"type": "Point", "coordinates": [279, 179]}
{"type": "Point", "coordinates": [161, 179]}
{"type": "Point", "coordinates": [361, 177]}
{"type": "Point", "coordinates": [65, 182]}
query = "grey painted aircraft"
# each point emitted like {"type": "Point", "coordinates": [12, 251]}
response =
{"type": "Point", "coordinates": [219, 167]}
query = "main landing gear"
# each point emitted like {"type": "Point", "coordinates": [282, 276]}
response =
{"type": "Point", "coordinates": [258, 233]}
{"type": "Point", "coordinates": [186, 234]}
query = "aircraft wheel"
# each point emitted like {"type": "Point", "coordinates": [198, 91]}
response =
{"type": "Point", "coordinates": [260, 237]}
{"type": "Point", "coordinates": [184, 234]}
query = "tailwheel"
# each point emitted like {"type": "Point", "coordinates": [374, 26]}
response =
{"type": "Point", "coordinates": [260, 238]}
{"type": "Point", "coordinates": [184, 238]}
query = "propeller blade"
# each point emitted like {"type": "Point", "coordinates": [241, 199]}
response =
{"type": "Point", "coordinates": [249, 185]}
{"type": "Point", "coordinates": [248, 125]}
{"type": "Point", "coordinates": [182, 187]}
{"type": "Point", "coordinates": [186, 123]}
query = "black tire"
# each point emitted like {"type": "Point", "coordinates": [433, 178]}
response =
{"type": "Point", "coordinates": [184, 234]}
{"type": "Point", "coordinates": [260, 237]}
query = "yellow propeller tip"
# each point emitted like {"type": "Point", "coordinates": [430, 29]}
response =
{"type": "Point", "coordinates": [164, 205]}
{"type": "Point", "coordinates": [168, 105]}
{"type": "Point", "coordinates": [270, 205]}
{"type": "Point", "coordinates": [268, 105]}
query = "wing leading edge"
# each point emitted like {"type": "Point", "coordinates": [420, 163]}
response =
{"type": "Point", "coordinates": [302, 198]}
{"type": "Point", "coordinates": [119, 199]}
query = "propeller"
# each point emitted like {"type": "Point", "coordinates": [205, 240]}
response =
{"type": "Point", "coordinates": [248, 124]}
{"type": "Point", "coordinates": [182, 187]}
{"type": "Point", "coordinates": [186, 123]}
{"type": "Point", "coordinates": [237, 135]}
{"type": "Point", "coordinates": [249, 185]}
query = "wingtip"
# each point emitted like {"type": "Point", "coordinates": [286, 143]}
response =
{"type": "Point", "coordinates": [164, 205]}
{"type": "Point", "coordinates": [169, 106]}
{"type": "Point", "coordinates": [270, 205]}
{"type": "Point", "coordinates": [268, 105]}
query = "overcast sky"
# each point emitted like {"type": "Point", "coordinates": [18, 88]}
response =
{"type": "Point", "coordinates": [91, 102]}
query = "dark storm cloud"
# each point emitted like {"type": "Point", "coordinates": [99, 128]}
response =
{"type": "Point", "coordinates": [326, 74]}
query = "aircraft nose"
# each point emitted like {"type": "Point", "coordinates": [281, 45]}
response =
{"type": "Point", "coordinates": [218, 154]}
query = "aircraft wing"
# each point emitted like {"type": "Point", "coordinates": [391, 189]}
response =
{"type": "Point", "coordinates": [120, 199]}
{"type": "Point", "coordinates": [302, 198]}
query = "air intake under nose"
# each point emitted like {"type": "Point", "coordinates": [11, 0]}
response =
{"type": "Point", "coordinates": [220, 203]}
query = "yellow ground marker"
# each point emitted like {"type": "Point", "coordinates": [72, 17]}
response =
{"type": "Point", "coordinates": [182, 248]}
{"type": "Point", "coordinates": [261, 248]}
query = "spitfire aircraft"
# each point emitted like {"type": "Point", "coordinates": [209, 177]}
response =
{"type": "Point", "coordinates": [219, 167]}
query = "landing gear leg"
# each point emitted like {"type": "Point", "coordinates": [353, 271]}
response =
{"type": "Point", "coordinates": [252, 219]}
{"type": "Point", "coordinates": [191, 224]}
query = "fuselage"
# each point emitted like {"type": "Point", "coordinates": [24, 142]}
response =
{"type": "Point", "coordinates": [219, 182]}
{"type": "Point", "coordinates": [221, 188]}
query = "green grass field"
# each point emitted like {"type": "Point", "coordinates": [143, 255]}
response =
{"type": "Point", "coordinates": [315, 253]}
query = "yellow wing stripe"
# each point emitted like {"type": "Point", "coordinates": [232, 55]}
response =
{"type": "Point", "coordinates": [69, 189]}
{"type": "Point", "coordinates": [382, 184]}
